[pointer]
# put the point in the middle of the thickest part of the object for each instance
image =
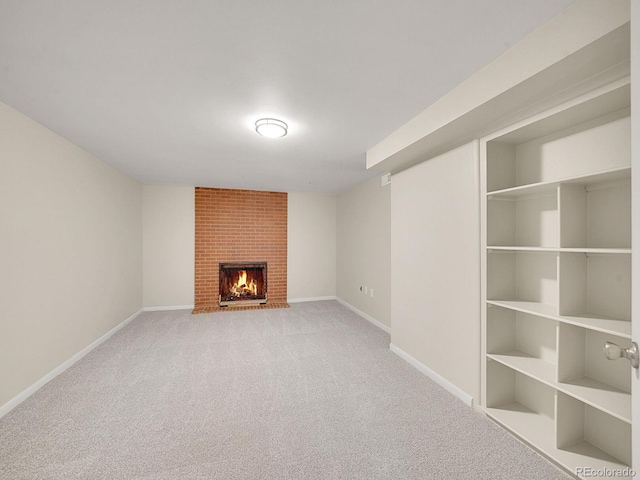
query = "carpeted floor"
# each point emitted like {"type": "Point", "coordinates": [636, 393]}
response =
{"type": "Point", "coordinates": [309, 392]}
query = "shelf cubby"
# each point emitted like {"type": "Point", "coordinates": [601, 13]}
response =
{"type": "Point", "coordinates": [595, 285]}
{"type": "Point", "coordinates": [572, 432]}
{"type": "Point", "coordinates": [525, 342]}
{"type": "Point", "coordinates": [527, 276]}
{"type": "Point", "coordinates": [527, 220]}
{"type": "Point", "coordinates": [522, 404]}
{"type": "Point", "coordinates": [522, 157]}
{"type": "Point", "coordinates": [586, 374]}
{"type": "Point", "coordinates": [596, 212]}
{"type": "Point", "coordinates": [586, 436]}
{"type": "Point", "coordinates": [621, 328]}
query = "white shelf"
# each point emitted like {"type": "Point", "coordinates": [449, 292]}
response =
{"type": "Point", "coordinates": [551, 186]}
{"type": "Point", "coordinates": [541, 188]}
{"type": "Point", "coordinates": [612, 326]}
{"type": "Point", "coordinates": [522, 249]}
{"type": "Point", "coordinates": [538, 430]}
{"type": "Point", "coordinates": [535, 308]}
{"type": "Point", "coordinates": [599, 395]}
{"type": "Point", "coordinates": [603, 251]}
{"type": "Point", "coordinates": [584, 454]}
{"type": "Point", "coordinates": [530, 366]}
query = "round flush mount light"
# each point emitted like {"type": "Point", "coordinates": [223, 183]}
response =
{"type": "Point", "coordinates": [271, 128]}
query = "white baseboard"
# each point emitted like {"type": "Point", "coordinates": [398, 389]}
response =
{"type": "Point", "coordinates": [440, 380]}
{"type": "Point", "coordinates": [309, 299]}
{"type": "Point", "coordinates": [22, 396]}
{"type": "Point", "coordinates": [168, 307]}
{"type": "Point", "coordinates": [378, 324]}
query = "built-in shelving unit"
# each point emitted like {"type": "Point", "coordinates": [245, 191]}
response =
{"type": "Point", "coordinates": [557, 282]}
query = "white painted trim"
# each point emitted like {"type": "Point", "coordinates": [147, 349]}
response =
{"type": "Point", "coordinates": [635, 227]}
{"type": "Point", "coordinates": [22, 396]}
{"type": "Point", "coordinates": [309, 299]}
{"type": "Point", "coordinates": [377, 323]}
{"type": "Point", "coordinates": [168, 307]}
{"type": "Point", "coordinates": [440, 380]}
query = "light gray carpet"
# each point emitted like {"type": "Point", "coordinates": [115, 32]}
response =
{"type": "Point", "coordinates": [310, 392]}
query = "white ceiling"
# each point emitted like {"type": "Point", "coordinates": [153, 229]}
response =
{"type": "Point", "coordinates": [167, 90]}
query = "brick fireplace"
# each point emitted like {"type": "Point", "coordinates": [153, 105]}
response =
{"type": "Point", "coordinates": [234, 227]}
{"type": "Point", "coordinates": [243, 284]}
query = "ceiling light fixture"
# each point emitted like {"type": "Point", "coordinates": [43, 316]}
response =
{"type": "Point", "coordinates": [271, 128]}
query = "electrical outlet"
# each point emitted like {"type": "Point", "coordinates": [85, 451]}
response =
{"type": "Point", "coordinates": [365, 290]}
{"type": "Point", "coordinates": [371, 292]}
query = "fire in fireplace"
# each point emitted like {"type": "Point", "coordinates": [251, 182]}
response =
{"type": "Point", "coordinates": [243, 284]}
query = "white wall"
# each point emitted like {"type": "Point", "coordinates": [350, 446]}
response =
{"type": "Point", "coordinates": [435, 266]}
{"type": "Point", "coordinates": [168, 246]}
{"type": "Point", "coordinates": [169, 240]}
{"type": "Point", "coordinates": [363, 243]}
{"type": "Point", "coordinates": [70, 250]}
{"type": "Point", "coordinates": [311, 251]}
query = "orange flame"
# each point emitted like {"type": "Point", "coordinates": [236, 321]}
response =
{"type": "Point", "coordinates": [241, 287]}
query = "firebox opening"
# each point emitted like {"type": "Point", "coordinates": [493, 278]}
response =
{"type": "Point", "coordinates": [243, 284]}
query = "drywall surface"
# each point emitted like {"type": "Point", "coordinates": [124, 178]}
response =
{"type": "Point", "coordinates": [435, 265]}
{"type": "Point", "coordinates": [168, 246]}
{"type": "Point", "coordinates": [363, 242]}
{"type": "Point", "coordinates": [70, 250]}
{"type": "Point", "coordinates": [311, 255]}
